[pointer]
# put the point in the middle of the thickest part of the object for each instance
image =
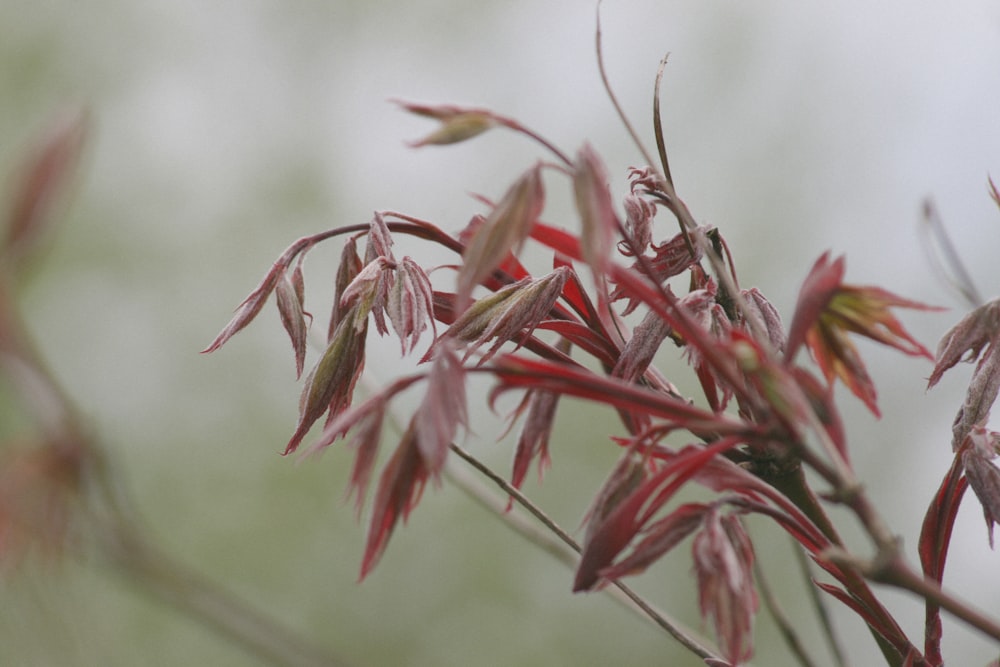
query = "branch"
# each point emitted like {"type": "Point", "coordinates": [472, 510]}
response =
{"type": "Point", "coordinates": [674, 629]}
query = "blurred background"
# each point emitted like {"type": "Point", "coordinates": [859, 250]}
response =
{"type": "Point", "coordinates": [221, 132]}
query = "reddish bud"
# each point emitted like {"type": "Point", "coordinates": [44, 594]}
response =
{"type": "Point", "coordinates": [510, 313]}
{"type": "Point", "coordinates": [669, 259]}
{"type": "Point", "coordinates": [966, 340]}
{"type": "Point", "coordinates": [366, 292]}
{"type": "Point", "coordinates": [640, 349]}
{"type": "Point", "coordinates": [979, 397]}
{"type": "Point", "coordinates": [639, 215]}
{"type": "Point", "coordinates": [379, 240]}
{"type": "Point", "coordinates": [457, 123]}
{"type": "Point", "coordinates": [980, 449]}
{"type": "Point", "coordinates": [625, 478]}
{"type": "Point", "coordinates": [766, 316]}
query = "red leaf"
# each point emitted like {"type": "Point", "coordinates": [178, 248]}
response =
{"type": "Point", "coordinates": [293, 318]}
{"type": "Point", "coordinates": [818, 288]}
{"type": "Point", "coordinates": [622, 524]}
{"type": "Point", "coordinates": [250, 308]}
{"type": "Point", "coordinates": [515, 372]}
{"type": "Point", "coordinates": [935, 538]}
{"type": "Point", "coordinates": [443, 409]}
{"type": "Point", "coordinates": [399, 489]}
{"type": "Point", "coordinates": [723, 563]}
{"type": "Point", "coordinates": [533, 442]}
{"type": "Point", "coordinates": [659, 538]}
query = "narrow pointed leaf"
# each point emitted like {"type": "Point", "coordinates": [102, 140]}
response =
{"type": "Point", "coordinates": [399, 489]}
{"type": "Point", "coordinates": [503, 232]}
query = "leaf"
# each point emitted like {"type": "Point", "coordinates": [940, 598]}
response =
{"type": "Point", "coordinates": [249, 309]}
{"type": "Point", "coordinates": [411, 303]}
{"type": "Point", "coordinates": [659, 539]}
{"type": "Point", "coordinates": [292, 318]}
{"type": "Point", "coordinates": [533, 443]}
{"type": "Point", "coordinates": [516, 372]}
{"type": "Point", "coordinates": [593, 203]}
{"type": "Point", "coordinates": [935, 539]}
{"type": "Point", "coordinates": [330, 385]}
{"type": "Point", "coordinates": [622, 524]}
{"type": "Point", "coordinates": [457, 123]}
{"type": "Point", "coordinates": [400, 486]}
{"type": "Point", "coordinates": [723, 564]}
{"type": "Point", "coordinates": [503, 232]}
{"type": "Point", "coordinates": [442, 410]}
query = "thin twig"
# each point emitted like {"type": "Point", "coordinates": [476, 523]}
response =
{"type": "Point", "coordinates": [614, 100]}
{"type": "Point", "coordinates": [950, 265]}
{"type": "Point", "coordinates": [785, 625]}
{"type": "Point", "coordinates": [678, 632]}
{"type": "Point", "coordinates": [819, 604]}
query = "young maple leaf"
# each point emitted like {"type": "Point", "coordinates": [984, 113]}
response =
{"type": "Point", "coordinates": [828, 310]}
{"type": "Point", "coordinates": [443, 408]}
{"type": "Point", "coordinates": [984, 477]}
{"type": "Point", "coordinates": [974, 337]}
{"type": "Point", "coordinates": [399, 489]}
{"type": "Point", "coordinates": [723, 563]}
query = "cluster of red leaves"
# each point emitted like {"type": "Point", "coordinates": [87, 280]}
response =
{"type": "Point", "coordinates": [760, 413]}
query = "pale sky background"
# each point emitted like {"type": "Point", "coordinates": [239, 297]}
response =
{"type": "Point", "coordinates": [223, 131]}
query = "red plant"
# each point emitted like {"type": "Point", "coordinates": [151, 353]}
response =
{"type": "Point", "coordinates": [764, 418]}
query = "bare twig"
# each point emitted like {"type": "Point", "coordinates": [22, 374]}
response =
{"type": "Point", "coordinates": [785, 625]}
{"type": "Point", "coordinates": [822, 612]}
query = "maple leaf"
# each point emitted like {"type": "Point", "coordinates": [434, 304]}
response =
{"type": "Point", "coordinates": [828, 310]}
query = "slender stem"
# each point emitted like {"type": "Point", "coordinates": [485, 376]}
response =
{"type": "Point", "coordinates": [614, 100]}
{"type": "Point", "coordinates": [678, 632]}
{"type": "Point", "coordinates": [785, 625]}
{"type": "Point", "coordinates": [512, 124]}
{"type": "Point", "coordinates": [819, 604]}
